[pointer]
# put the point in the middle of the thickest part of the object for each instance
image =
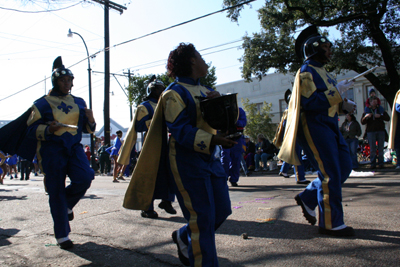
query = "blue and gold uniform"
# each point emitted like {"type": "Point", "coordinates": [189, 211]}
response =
{"type": "Point", "coordinates": [61, 154]}
{"type": "Point", "coordinates": [141, 123]}
{"type": "Point", "coordinates": [199, 177]}
{"type": "Point", "coordinates": [313, 119]}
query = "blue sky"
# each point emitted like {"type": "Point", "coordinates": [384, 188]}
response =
{"type": "Point", "coordinates": [29, 42]}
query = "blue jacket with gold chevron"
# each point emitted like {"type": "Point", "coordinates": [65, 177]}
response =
{"type": "Point", "coordinates": [66, 109]}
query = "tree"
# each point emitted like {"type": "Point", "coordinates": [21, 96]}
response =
{"type": "Point", "coordinates": [370, 33]}
{"type": "Point", "coordinates": [258, 120]}
{"type": "Point", "coordinates": [137, 89]}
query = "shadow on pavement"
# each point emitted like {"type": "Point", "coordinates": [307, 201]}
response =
{"type": "Point", "coordinates": [104, 255]}
{"type": "Point", "coordinates": [91, 197]}
{"type": "Point", "coordinates": [6, 198]}
{"type": "Point", "coordinates": [5, 234]}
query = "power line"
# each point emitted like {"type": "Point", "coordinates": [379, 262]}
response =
{"type": "Point", "coordinates": [183, 23]}
{"type": "Point", "coordinates": [103, 50]}
{"type": "Point", "coordinates": [42, 11]}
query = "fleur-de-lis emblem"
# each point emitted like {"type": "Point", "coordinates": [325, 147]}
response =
{"type": "Point", "coordinates": [64, 107]}
{"type": "Point", "coordinates": [330, 80]}
{"type": "Point", "coordinates": [331, 93]}
{"type": "Point", "coordinates": [202, 146]}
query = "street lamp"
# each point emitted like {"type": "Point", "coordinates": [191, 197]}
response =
{"type": "Point", "coordinates": [93, 159]}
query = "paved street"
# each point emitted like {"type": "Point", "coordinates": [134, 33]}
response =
{"type": "Point", "coordinates": [106, 234]}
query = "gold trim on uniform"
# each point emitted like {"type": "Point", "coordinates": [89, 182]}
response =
{"type": "Point", "coordinates": [35, 115]}
{"type": "Point", "coordinates": [66, 111]}
{"type": "Point", "coordinates": [195, 237]}
{"type": "Point", "coordinates": [41, 132]}
{"type": "Point", "coordinates": [325, 188]}
{"type": "Point", "coordinates": [202, 142]}
{"type": "Point", "coordinates": [307, 85]}
{"type": "Point", "coordinates": [173, 105]}
{"type": "Point", "coordinates": [141, 112]}
{"type": "Point", "coordinates": [332, 94]}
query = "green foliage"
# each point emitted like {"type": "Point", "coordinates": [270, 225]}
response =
{"type": "Point", "coordinates": [137, 89]}
{"type": "Point", "coordinates": [210, 80]}
{"type": "Point", "coordinates": [258, 121]}
{"type": "Point", "coordinates": [370, 32]}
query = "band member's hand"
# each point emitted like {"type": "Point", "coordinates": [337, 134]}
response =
{"type": "Point", "coordinates": [344, 85]}
{"type": "Point", "coordinates": [213, 94]}
{"type": "Point", "coordinates": [54, 126]}
{"type": "Point", "coordinates": [89, 115]}
{"type": "Point", "coordinates": [377, 115]}
{"type": "Point", "coordinates": [224, 142]}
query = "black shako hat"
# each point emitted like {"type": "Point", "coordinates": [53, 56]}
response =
{"type": "Point", "coordinates": [59, 71]}
{"type": "Point", "coordinates": [308, 43]}
{"type": "Point", "coordinates": [221, 112]}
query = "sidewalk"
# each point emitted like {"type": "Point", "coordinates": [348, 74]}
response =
{"type": "Point", "coordinates": [106, 234]}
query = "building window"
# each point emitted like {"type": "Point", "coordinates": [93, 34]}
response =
{"type": "Point", "coordinates": [259, 106]}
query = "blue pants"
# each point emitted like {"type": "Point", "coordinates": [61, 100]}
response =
{"type": "Point", "coordinates": [328, 152]}
{"type": "Point", "coordinates": [56, 165]}
{"type": "Point", "coordinates": [372, 138]}
{"type": "Point", "coordinates": [203, 196]}
{"type": "Point", "coordinates": [353, 145]}
{"type": "Point", "coordinates": [230, 159]}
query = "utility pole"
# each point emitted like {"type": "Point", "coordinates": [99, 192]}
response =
{"type": "Point", "coordinates": [129, 83]}
{"type": "Point", "coordinates": [107, 5]}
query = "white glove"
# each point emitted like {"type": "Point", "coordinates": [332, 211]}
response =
{"type": "Point", "coordinates": [349, 106]}
{"type": "Point", "coordinates": [344, 85]}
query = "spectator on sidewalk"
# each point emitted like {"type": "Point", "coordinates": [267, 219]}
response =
{"type": "Point", "coordinates": [351, 130]}
{"type": "Point", "coordinates": [374, 118]}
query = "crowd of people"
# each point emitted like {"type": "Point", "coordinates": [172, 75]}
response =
{"type": "Point", "coordinates": [183, 157]}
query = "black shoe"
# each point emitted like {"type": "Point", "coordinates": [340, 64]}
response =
{"type": "Point", "coordinates": [348, 231]}
{"type": "Point", "coordinates": [234, 184]}
{"type": "Point", "coordinates": [167, 206]}
{"type": "Point", "coordinates": [121, 178]}
{"type": "Point", "coordinates": [70, 216]}
{"type": "Point", "coordinates": [185, 261]}
{"type": "Point", "coordinates": [284, 175]}
{"type": "Point", "coordinates": [311, 219]}
{"type": "Point", "coordinates": [372, 167]}
{"type": "Point", "coordinates": [26, 179]}
{"type": "Point", "coordinates": [22, 179]}
{"type": "Point", "coordinates": [304, 182]}
{"type": "Point", "coordinates": [66, 244]}
{"type": "Point", "coordinates": [149, 214]}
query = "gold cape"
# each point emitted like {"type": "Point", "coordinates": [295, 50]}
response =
{"type": "Point", "coordinates": [279, 134]}
{"type": "Point", "coordinates": [131, 136]}
{"type": "Point", "coordinates": [393, 122]}
{"type": "Point", "coordinates": [139, 194]}
{"type": "Point", "coordinates": [287, 151]}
